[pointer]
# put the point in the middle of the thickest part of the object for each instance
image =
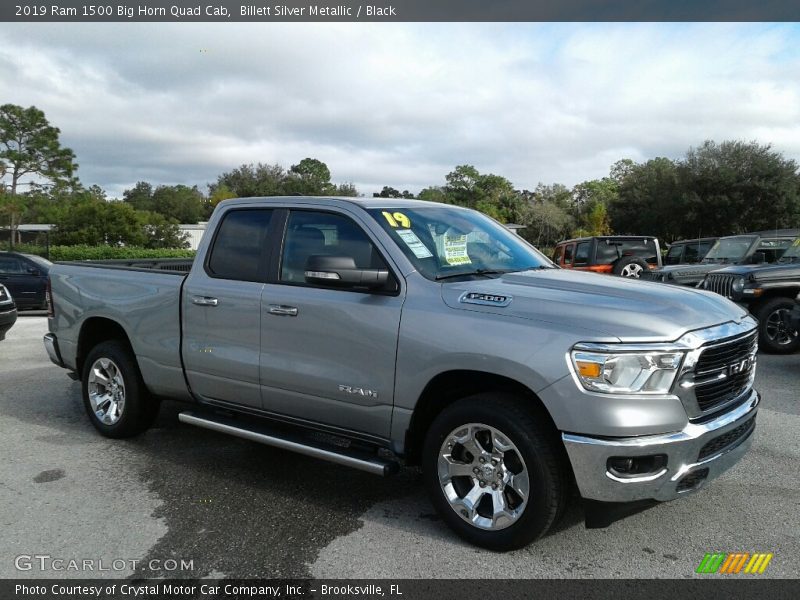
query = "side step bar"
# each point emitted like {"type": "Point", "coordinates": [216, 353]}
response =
{"type": "Point", "coordinates": [355, 459]}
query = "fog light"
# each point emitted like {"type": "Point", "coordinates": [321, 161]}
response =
{"type": "Point", "coordinates": [636, 466]}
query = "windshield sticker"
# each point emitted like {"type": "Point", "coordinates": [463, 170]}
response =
{"type": "Point", "coordinates": [397, 219]}
{"type": "Point", "coordinates": [455, 250]}
{"type": "Point", "coordinates": [414, 244]}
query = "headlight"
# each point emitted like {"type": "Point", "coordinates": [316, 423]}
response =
{"type": "Point", "coordinates": [738, 284]}
{"type": "Point", "coordinates": [627, 372]}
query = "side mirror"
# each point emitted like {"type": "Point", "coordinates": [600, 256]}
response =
{"type": "Point", "coordinates": [34, 271]}
{"type": "Point", "coordinates": [341, 272]}
{"type": "Point", "coordinates": [759, 258]}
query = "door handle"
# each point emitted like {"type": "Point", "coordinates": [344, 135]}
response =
{"type": "Point", "coordinates": [204, 301]}
{"type": "Point", "coordinates": [282, 311]}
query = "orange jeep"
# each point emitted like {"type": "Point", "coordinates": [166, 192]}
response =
{"type": "Point", "coordinates": [623, 255]}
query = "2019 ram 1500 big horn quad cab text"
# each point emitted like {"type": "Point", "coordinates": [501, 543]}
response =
{"type": "Point", "coordinates": [422, 333]}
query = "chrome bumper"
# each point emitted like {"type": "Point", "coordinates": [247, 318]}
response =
{"type": "Point", "coordinates": [51, 345]}
{"type": "Point", "coordinates": [589, 457]}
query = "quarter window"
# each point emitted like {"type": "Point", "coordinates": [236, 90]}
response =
{"type": "Point", "coordinates": [239, 245]}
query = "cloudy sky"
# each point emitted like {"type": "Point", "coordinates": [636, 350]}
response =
{"type": "Point", "coordinates": [399, 104]}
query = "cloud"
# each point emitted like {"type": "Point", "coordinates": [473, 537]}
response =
{"type": "Point", "coordinates": [400, 104]}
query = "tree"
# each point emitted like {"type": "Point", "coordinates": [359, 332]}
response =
{"type": "Point", "coordinates": [29, 149]}
{"type": "Point", "coordinates": [736, 186]}
{"type": "Point", "coordinates": [310, 177]}
{"type": "Point", "coordinates": [219, 193]}
{"type": "Point", "coordinates": [387, 192]}
{"type": "Point", "coordinates": [251, 180]}
{"type": "Point", "coordinates": [650, 201]}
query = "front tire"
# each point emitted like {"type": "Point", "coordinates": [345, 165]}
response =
{"type": "Point", "coordinates": [114, 395]}
{"type": "Point", "coordinates": [775, 333]}
{"type": "Point", "coordinates": [494, 471]}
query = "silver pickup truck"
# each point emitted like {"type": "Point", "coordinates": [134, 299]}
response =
{"type": "Point", "coordinates": [379, 332]}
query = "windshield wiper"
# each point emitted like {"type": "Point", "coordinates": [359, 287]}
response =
{"type": "Point", "coordinates": [491, 272]}
{"type": "Point", "coordinates": [475, 272]}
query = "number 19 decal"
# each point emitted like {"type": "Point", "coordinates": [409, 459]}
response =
{"type": "Point", "coordinates": [397, 219]}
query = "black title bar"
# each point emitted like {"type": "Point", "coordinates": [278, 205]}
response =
{"type": "Point", "coordinates": [398, 10]}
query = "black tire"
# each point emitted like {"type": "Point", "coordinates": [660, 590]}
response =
{"type": "Point", "coordinates": [775, 333]}
{"type": "Point", "coordinates": [139, 409]}
{"type": "Point", "coordinates": [630, 266]}
{"type": "Point", "coordinates": [541, 453]}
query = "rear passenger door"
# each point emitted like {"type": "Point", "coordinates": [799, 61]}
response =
{"type": "Point", "coordinates": [15, 274]}
{"type": "Point", "coordinates": [328, 354]}
{"type": "Point", "coordinates": [222, 309]}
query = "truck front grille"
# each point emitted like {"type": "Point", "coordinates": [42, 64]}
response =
{"type": "Point", "coordinates": [720, 283]}
{"type": "Point", "coordinates": [728, 440]}
{"type": "Point", "coordinates": [724, 371]}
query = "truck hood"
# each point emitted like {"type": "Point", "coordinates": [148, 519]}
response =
{"type": "Point", "coordinates": [764, 272]}
{"type": "Point", "coordinates": [613, 307]}
{"type": "Point", "coordinates": [697, 270]}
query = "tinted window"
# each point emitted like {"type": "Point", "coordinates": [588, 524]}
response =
{"type": "Point", "coordinates": [674, 255]}
{"type": "Point", "coordinates": [695, 252]}
{"type": "Point", "coordinates": [609, 251]}
{"type": "Point", "coordinates": [568, 250]}
{"type": "Point", "coordinates": [240, 241]}
{"type": "Point", "coordinates": [582, 253]}
{"type": "Point", "coordinates": [11, 265]}
{"type": "Point", "coordinates": [557, 254]}
{"type": "Point", "coordinates": [310, 233]}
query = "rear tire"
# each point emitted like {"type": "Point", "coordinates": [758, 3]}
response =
{"type": "Point", "coordinates": [114, 394]}
{"type": "Point", "coordinates": [775, 333]}
{"type": "Point", "coordinates": [506, 484]}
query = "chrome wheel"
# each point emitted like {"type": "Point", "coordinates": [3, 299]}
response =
{"type": "Point", "coordinates": [777, 327]}
{"type": "Point", "coordinates": [632, 270]}
{"type": "Point", "coordinates": [106, 391]}
{"type": "Point", "coordinates": [483, 476]}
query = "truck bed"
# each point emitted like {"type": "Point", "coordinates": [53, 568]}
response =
{"type": "Point", "coordinates": [142, 296]}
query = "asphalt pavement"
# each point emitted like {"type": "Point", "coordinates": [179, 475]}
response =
{"type": "Point", "coordinates": [230, 508]}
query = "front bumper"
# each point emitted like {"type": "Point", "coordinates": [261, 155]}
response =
{"type": "Point", "coordinates": [691, 460]}
{"type": "Point", "coordinates": [51, 345]}
{"type": "Point", "coordinates": [7, 319]}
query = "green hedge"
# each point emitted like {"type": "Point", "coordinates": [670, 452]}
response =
{"type": "Point", "coordinates": [102, 252]}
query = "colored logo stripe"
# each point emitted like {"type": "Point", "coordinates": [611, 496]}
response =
{"type": "Point", "coordinates": [721, 562]}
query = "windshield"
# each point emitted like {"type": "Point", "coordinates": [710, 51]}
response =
{"type": "Point", "coordinates": [445, 241]}
{"type": "Point", "coordinates": [732, 249]}
{"type": "Point", "coordinates": [793, 253]}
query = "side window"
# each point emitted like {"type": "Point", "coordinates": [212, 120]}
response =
{"type": "Point", "coordinates": [11, 265]}
{"type": "Point", "coordinates": [568, 250]}
{"type": "Point", "coordinates": [310, 233]}
{"type": "Point", "coordinates": [557, 254]}
{"type": "Point", "coordinates": [239, 244]}
{"type": "Point", "coordinates": [692, 253]}
{"type": "Point", "coordinates": [674, 255]}
{"type": "Point", "coordinates": [582, 254]}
